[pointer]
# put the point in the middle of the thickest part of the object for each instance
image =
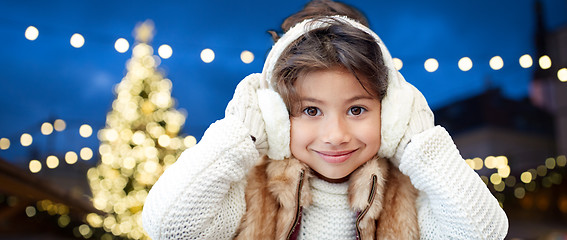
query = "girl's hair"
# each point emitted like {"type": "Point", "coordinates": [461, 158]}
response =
{"type": "Point", "coordinates": [337, 45]}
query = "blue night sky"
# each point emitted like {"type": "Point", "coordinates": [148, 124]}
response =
{"type": "Point", "coordinates": [48, 78]}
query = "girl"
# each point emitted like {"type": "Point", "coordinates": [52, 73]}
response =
{"type": "Point", "coordinates": [318, 146]}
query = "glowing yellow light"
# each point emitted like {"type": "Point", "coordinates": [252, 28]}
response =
{"type": "Point", "coordinates": [111, 135]}
{"type": "Point", "coordinates": [500, 186]}
{"type": "Point", "coordinates": [94, 220]}
{"type": "Point", "coordinates": [86, 153]}
{"type": "Point", "coordinates": [35, 166]}
{"type": "Point", "coordinates": [4, 143]}
{"type": "Point", "coordinates": [550, 163]}
{"type": "Point", "coordinates": [246, 56]}
{"type": "Point", "coordinates": [26, 139]}
{"type": "Point", "coordinates": [71, 157]}
{"type": "Point", "coordinates": [189, 141]}
{"type": "Point", "coordinates": [52, 162]}
{"type": "Point", "coordinates": [541, 171]}
{"type": "Point", "coordinates": [526, 61]}
{"type": "Point", "coordinates": [431, 65]}
{"type": "Point", "coordinates": [85, 130]}
{"type": "Point", "coordinates": [77, 40]}
{"type": "Point", "coordinates": [477, 163]}
{"type": "Point", "coordinates": [495, 178]}
{"type": "Point", "coordinates": [31, 33]}
{"type": "Point", "coordinates": [562, 74]}
{"type": "Point", "coordinates": [207, 55]}
{"type": "Point", "coordinates": [138, 138]}
{"type": "Point", "coordinates": [121, 45]}
{"type": "Point", "coordinates": [398, 64]}
{"type": "Point", "coordinates": [496, 63]}
{"type": "Point", "coordinates": [544, 62]}
{"type": "Point", "coordinates": [561, 161]}
{"type": "Point", "coordinates": [490, 162]}
{"type": "Point", "coordinates": [165, 51]}
{"type": "Point", "coordinates": [59, 125]}
{"type": "Point", "coordinates": [84, 229]}
{"type": "Point", "coordinates": [46, 128]}
{"type": "Point", "coordinates": [30, 211]}
{"type": "Point", "coordinates": [504, 171]}
{"type": "Point", "coordinates": [164, 140]}
{"type": "Point", "coordinates": [63, 221]}
{"type": "Point", "coordinates": [519, 193]}
{"type": "Point", "coordinates": [465, 64]}
{"type": "Point", "coordinates": [500, 161]}
{"type": "Point", "coordinates": [470, 163]}
{"type": "Point", "coordinates": [526, 177]}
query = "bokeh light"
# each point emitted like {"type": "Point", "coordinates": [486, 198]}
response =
{"type": "Point", "coordinates": [77, 40]}
{"type": "Point", "coordinates": [165, 51]}
{"type": "Point", "coordinates": [496, 63]}
{"type": "Point", "coordinates": [26, 139]}
{"type": "Point", "coordinates": [86, 153]}
{"type": "Point", "coordinates": [544, 62]}
{"type": "Point", "coordinates": [207, 55]}
{"type": "Point", "coordinates": [52, 162]}
{"type": "Point", "coordinates": [431, 65]}
{"type": "Point", "coordinates": [85, 130]}
{"type": "Point", "coordinates": [247, 56]}
{"type": "Point", "coordinates": [398, 63]}
{"type": "Point", "coordinates": [35, 166]}
{"type": "Point", "coordinates": [4, 143]}
{"type": "Point", "coordinates": [526, 61]}
{"type": "Point", "coordinates": [46, 128]}
{"type": "Point", "coordinates": [562, 75]}
{"type": "Point", "coordinates": [121, 45]}
{"type": "Point", "coordinates": [59, 125]}
{"type": "Point", "coordinates": [31, 33]}
{"type": "Point", "coordinates": [465, 64]}
{"type": "Point", "coordinates": [71, 157]}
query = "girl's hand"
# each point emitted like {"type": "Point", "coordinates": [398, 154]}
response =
{"type": "Point", "coordinates": [420, 120]}
{"type": "Point", "coordinates": [244, 106]}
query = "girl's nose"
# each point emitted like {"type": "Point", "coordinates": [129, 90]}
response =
{"type": "Point", "coordinates": [335, 131]}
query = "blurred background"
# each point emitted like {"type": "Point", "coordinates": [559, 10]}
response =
{"type": "Point", "coordinates": [99, 97]}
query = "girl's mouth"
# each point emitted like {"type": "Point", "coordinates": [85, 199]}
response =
{"type": "Point", "coordinates": [335, 157]}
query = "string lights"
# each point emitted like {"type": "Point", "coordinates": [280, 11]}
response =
{"type": "Point", "coordinates": [207, 55]}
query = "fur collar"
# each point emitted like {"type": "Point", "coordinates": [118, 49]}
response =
{"type": "Point", "coordinates": [380, 193]}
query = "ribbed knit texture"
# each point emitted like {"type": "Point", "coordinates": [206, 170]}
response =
{"type": "Point", "coordinates": [201, 196]}
{"type": "Point", "coordinates": [453, 202]}
{"type": "Point", "coordinates": [330, 215]}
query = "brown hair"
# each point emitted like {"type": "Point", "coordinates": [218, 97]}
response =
{"type": "Point", "coordinates": [337, 45]}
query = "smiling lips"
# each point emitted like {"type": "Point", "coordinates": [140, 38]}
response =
{"type": "Point", "coordinates": [335, 156]}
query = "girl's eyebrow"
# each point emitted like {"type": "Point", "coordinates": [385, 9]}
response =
{"type": "Point", "coordinates": [352, 99]}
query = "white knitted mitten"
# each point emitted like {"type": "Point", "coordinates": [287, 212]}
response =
{"type": "Point", "coordinates": [244, 106]}
{"type": "Point", "coordinates": [420, 120]}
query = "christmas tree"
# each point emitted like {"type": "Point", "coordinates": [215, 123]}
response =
{"type": "Point", "coordinates": [139, 141]}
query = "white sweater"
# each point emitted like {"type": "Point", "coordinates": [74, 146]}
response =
{"type": "Point", "coordinates": [201, 196]}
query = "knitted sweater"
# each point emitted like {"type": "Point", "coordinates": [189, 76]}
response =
{"type": "Point", "coordinates": [330, 215]}
{"type": "Point", "coordinates": [201, 196]}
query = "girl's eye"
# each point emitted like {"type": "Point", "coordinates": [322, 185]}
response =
{"type": "Point", "coordinates": [356, 111]}
{"type": "Point", "coordinates": [311, 111]}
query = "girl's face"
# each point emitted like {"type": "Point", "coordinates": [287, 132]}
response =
{"type": "Point", "coordinates": [338, 129]}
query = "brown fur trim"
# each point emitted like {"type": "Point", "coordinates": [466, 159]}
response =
{"type": "Point", "coordinates": [284, 182]}
{"type": "Point", "coordinates": [259, 221]}
{"type": "Point", "coordinates": [359, 194]}
{"type": "Point", "coordinates": [399, 219]}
